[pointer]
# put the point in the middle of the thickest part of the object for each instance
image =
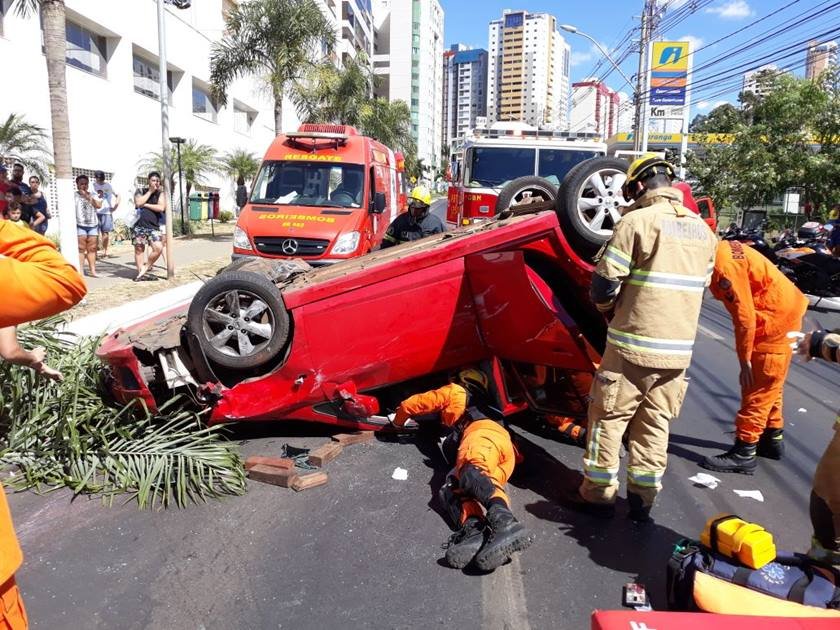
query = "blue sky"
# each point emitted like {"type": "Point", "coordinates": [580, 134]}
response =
{"type": "Point", "coordinates": [775, 39]}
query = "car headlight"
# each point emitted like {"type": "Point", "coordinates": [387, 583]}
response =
{"type": "Point", "coordinates": [240, 238]}
{"type": "Point", "coordinates": [346, 243]}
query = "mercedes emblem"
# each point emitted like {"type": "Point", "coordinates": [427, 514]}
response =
{"type": "Point", "coordinates": [289, 246]}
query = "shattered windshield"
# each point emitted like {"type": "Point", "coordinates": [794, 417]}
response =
{"type": "Point", "coordinates": [298, 183]}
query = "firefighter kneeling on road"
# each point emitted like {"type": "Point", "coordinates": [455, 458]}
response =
{"type": "Point", "coordinates": [765, 306]}
{"type": "Point", "coordinates": [484, 462]}
{"type": "Point", "coordinates": [651, 276]}
{"type": "Point", "coordinates": [415, 224]}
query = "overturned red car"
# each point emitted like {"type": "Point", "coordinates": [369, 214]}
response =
{"type": "Point", "coordinates": [271, 340]}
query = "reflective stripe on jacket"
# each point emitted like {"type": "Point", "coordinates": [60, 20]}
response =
{"type": "Point", "coordinates": [763, 303]}
{"type": "Point", "coordinates": [661, 254]}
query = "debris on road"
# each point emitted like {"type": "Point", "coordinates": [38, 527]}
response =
{"type": "Point", "coordinates": [312, 480]}
{"type": "Point", "coordinates": [275, 476]}
{"type": "Point", "coordinates": [284, 463]}
{"type": "Point", "coordinates": [357, 437]}
{"type": "Point", "coordinates": [325, 454]}
{"type": "Point", "coordinates": [707, 481]}
{"type": "Point", "coordinates": [750, 494]}
{"type": "Point", "coordinates": [802, 410]}
{"type": "Point", "coordinates": [400, 474]}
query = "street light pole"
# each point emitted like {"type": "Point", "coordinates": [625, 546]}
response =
{"type": "Point", "coordinates": [573, 29]}
{"type": "Point", "coordinates": [178, 142]}
{"type": "Point", "coordinates": [164, 130]}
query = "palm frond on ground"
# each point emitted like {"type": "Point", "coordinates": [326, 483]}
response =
{"type": "Point", "coordinates": [26, 143]}
{"type": "Point", "coordinates": [240, 163]}
{"type": "Point", "coordinates": [63, 434]}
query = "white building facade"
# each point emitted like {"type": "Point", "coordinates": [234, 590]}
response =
{"type": "Point", "coordinates": [353, 23]}
{"type": "Point", "coordinates": [528, 70]}
{"type": "Point", "coordinates": [819, 58]}
{"type": "Point", "coordinates": [408, 48]}
{"type": "Point", "coordinates": [755, 81]}
{"type": "Point", "coordinates": [112, 88]}
{"type": "Point", "coordinates": [595, 108]}
{"type": "Point", "coordinates": [464, 91]}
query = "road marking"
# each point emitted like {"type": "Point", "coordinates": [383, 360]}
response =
{"type": "Point", "coordinates": [503, 604]}
{"type": "Point", "coordinates": [709, 333]}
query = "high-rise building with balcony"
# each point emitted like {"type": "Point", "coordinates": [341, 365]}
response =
{"type": "Point", "coordinates": [408, 47]}
{"type": "Point", "coordinates": [595, 108]}
{"type": "Point", "coordinates": [528, 70]}
{"type": "Point", "coordinates": [464, 91]}
{"type": "Point", "coordinates": [819, 58]}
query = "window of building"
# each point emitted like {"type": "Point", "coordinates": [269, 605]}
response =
{"type": "Point", "coordinates": [203, 105]}
{"type": "Point", "coordinates": [147, 79]}
{"type": "Point", "coordinates": [243, 118]}
{"type": "Point", "coordinates": [86, 50]}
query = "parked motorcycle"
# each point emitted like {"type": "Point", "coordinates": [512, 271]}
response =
{"type": "Point", "coordinates": [803, 257]}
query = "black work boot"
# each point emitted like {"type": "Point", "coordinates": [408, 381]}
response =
{"type": "Point", "coordinates": [771, 444]}
{"type": "Point", "coordinates": [738, 459]}
{"type": "Point", "coordinates": [506, 536]}
{"type": "Point", "coordinates": [465, 543]}
{"type": "Point", "coordinates": [639, 512]}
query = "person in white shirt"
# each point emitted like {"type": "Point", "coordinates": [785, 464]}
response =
{"type": "Point", "coordinates": [110, 201]}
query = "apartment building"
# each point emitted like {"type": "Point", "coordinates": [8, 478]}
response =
{"type": "Point", "coordinates": [755, 81]}
{"type": "Point", "coordinates": [528, 70]}
{"type": "Point", "coordinates": [595, 108]}
{"type": "Point", "coordinates": [408, 47]}
{"type": "Point", "coordinates": [464, 91]}
{"type": "Point", "coordinates": [820, 57]}
{"type": "Point", "coordinates": [113, 87]}
{"type": "Point", "coordinates": [353, 22]}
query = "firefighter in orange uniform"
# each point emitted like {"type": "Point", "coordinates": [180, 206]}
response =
{"type": "Point", "coordinates": [484, 462]}
{"type": "Point", "coordinates": [38, 282]}
{"type": "Point", "coordinates": [765, 306]}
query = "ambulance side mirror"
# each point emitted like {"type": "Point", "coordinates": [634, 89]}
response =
{"type": "Point", "coordinates": [378, 204]}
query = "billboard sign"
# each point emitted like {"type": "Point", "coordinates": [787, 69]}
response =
{"type": "Point", "coordinates": [668, 73]}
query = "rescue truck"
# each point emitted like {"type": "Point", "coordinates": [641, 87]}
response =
{"type": "Point", "coordinates": [323, 193]}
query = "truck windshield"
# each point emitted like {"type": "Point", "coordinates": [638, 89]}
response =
{"type": "Point", "coordinates": [300, 183]}
{"type": "Point", "coordinates": [493, 166]}
{"type": "Point", "coordinates": [555, 163]}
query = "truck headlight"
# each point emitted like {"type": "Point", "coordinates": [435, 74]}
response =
{"type": "Point", "coordinates": [346, 243]}
{"type": "Point", "coordinates": [240, 238]}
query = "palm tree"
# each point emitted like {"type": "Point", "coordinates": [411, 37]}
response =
{"type": "Point", "coordinates": [55, 48]}
{"type": "Point", "coordinates": [335, 95]}
{"type": "Point", "coordinates": [26, 143]}
{"type": "Point", "coordinates": [272, 38]}
{"type": "Point", "coordinates": [240, 163]}
{"type": "Point", "coordinates": [197, 161]}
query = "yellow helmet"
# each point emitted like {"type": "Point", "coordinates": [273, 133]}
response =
{"type": "Point", "coordinates": [472, 377]}
{"type": "Point", "coordinates": [642, 166]}
{"type": "Point", "coordinates": [421, 194]}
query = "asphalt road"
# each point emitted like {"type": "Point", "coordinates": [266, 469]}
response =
{"type": "Point", "coordinates": [365, 550]}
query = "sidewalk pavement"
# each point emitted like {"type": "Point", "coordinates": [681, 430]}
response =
{"type": "Point", "coordinates": [119, 267]}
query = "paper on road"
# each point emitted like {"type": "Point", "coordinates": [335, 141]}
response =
{"type": "Point", "coordinates": [400, 474]}
{"type": "Point", "coordinates": [705, 480]}
{"type": "Point", "coordinates": [750, 494]}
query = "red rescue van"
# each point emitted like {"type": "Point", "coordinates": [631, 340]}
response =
{"type": "Point", "coordinates": [323, 193]}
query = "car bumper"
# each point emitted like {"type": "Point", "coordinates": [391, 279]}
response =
{"type": "Point", "coordinates": [315, 262]}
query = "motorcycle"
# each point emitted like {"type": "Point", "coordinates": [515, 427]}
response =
{"type": "Point", "coordinates": [803, 257]}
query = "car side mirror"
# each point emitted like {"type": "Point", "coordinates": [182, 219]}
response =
{"type": "Point", "coordinates": [378, 205]}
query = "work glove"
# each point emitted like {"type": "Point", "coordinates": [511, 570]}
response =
{"type": "Point", "coordinates": [800, 344]}
{"type": "Point", "coordinates": [410, 425]}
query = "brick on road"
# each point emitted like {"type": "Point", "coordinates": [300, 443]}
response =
{"type": "Point", "coordinates": [312, 480]}
{"type": "Point", "coordinates": [358, 437]}
{"type": "Point", "coordinates": [275, 476]}
{"type": "Point", "coordinates": [325, 454]}
{"type": "Point", "coordinates": [275, 462]}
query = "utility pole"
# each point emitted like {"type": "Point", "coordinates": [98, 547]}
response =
{"type": "Point", "coordinates": [640, 127]}
{"type": "Point", "coordinates": [164, 128]}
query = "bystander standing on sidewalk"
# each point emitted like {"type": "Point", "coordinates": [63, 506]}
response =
{"type": "Point", "coordinates": [4, 188]}
{"type": "Point", "coordinates": [17, 178]}
{"type": "Point", "coordinates": [151, 204]}
{"type": "Point", "coordinates": [37, 205]}
{"type": "Point", "coordinates": [106, 216]}
{"type": "Point", "coordinates": [87, 224]}
{"type": "Point", "coordinates": [241, 194]}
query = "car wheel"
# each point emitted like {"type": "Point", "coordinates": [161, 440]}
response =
{"type": "Point", "coordinates": [525, 190]}
{"type": "Point", "coordinates": [239, 319]}
{"type": "Point", "coordinates": [590, 203]}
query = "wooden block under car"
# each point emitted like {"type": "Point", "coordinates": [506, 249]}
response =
{"type": "Point", "coordinates": [275, 476]}
{"type": "Point", "coordinates": [312, 480]}
{"type": "Point", "coordinates": [325, 453]}
{"type": "Point", "coordinates": [276, 462]}
{"type": "Point", "coordinates": [357, 437]}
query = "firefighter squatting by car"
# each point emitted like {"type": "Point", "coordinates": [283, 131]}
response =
{"type": "Point", "coordinates": [501, 321]}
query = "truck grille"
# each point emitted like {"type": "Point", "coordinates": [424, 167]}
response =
{"type": "Point", "coordinates": [290, 246]}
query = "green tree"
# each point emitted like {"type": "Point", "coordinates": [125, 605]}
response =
{"type": "Point", "coordinates": [336, 95]}
{"type": "Point", "coordinates": [53, 21]}
{"type": "Point", "coordinates": [240, 163]}
{"type": "Point", "coordinates": [26, 143]}
{"type": "Point", "coordinates": [197, 161]}
{"type": "Point", "coordinates": [274, 39]}
{"type": "Point", "coordinates": [722, 119]}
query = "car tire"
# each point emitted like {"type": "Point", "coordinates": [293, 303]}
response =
{"type": "Point", "coordinates": [521, 188]}
{"type": "Point", "coordinates": [588, 207]}
{"type": "Point", "coordinates": [239, 320]}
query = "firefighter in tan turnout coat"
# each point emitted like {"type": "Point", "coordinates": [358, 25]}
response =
{"type": "Point", "coordinates": [649, 282]}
